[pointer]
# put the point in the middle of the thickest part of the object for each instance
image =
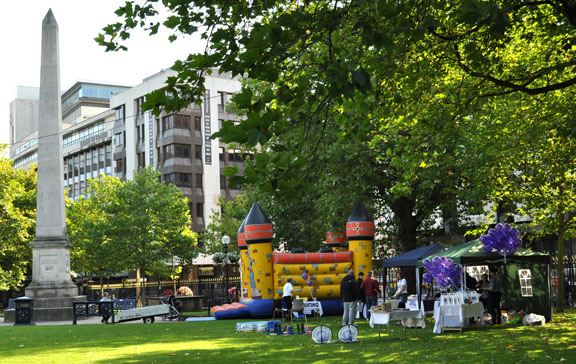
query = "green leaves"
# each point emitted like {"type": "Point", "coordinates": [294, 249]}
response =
{"type": "Point", "coordinates": [138, 224]}
{"type": "Point", "coordinates": [17, 222]}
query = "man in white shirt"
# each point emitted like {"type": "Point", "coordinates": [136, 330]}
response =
{"type": "Point", "coordinates": [287, 293]}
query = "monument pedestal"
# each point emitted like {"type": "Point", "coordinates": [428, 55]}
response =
{"type": "Point", "coordinates": [51, 287]}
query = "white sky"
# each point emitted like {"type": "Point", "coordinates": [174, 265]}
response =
{"type": "Point", "coordinates": [79, 22]}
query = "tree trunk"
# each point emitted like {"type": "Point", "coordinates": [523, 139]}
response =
{"type": "Point", "coordinates": [138, 290]}
{"type": "Point", "coordinates": [407, 235]}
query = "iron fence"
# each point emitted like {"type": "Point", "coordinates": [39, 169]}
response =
{"type": "Point", "coordinates": [213, 290]}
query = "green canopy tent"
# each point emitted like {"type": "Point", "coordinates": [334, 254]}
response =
{"type": "Point", "coordinates": [531, 295]}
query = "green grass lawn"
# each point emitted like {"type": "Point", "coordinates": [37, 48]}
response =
{"type": "Point", "coordinates": [217, 342]}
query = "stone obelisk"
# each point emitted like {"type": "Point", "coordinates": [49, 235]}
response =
{"type": "Point", "coordinates": [51, 287]}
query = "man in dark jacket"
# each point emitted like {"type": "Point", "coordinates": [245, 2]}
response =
{"type": "Point", "coordinates": [350, 295]}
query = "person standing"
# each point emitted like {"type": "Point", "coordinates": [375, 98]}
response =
{"type": "Point", "coordinates": [350, 295]}
{"type": "Point", "coordinates": [401, 290]}
{"type": "Point", "coordinates": [362, 302]}
{"type": "Point", "coordinates": [485, 294]}
{"type": "Point", "coordinates": [287, 293]}
{"type": "Point", "coordinates": [105, 297]}
{"type": "Point", "coordinates": [495, 289]}
{"type": "Point", "coordinates": [371, 289]}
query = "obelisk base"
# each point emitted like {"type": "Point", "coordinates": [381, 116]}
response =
{"type": "Point", "coordinates": [51, 287]}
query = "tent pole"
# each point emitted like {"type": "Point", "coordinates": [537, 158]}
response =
{"type": "Point", "coordinates": [384, 276]}
{"type": "Point", "coordinates": [419, 288]}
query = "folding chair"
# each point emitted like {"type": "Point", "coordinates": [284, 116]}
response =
{"type": "Point", "coordinates": [298, 307]}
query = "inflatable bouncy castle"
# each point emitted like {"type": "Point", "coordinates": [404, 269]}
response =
{"type": "Point", "coordinates": [314, 275]}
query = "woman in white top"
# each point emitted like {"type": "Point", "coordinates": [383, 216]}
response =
{"type": "Point", "coordinates": [287, 293]}
{"type": "Point", "coordinates": [401, 292]}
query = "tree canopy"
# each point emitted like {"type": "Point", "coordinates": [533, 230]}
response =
{"type": "Point", "coordinates": [407, 104]}
{"type": "Point", "coordinates": [17, 221]}
{"type": "Point", "coordinates": [141, 224]}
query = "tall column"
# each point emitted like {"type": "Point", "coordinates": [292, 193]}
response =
{"type": "Point", "coordinates": [51, 286]}
{"type": "Point", "coordinates": [258, 233]}
{"type": "Point", "coordinates": [360, 234]}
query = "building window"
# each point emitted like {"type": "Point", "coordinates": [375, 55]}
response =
{"type": "Point", "coordinates": [179, 179]}
{"type": "Point", "coordinates": [141, 159]}
{"type": "Point", "coordinates": [140, 131]}
{"type": "Point", "coordinates": [81, 163]}
{"type": "Point", "coordinates": [139, 102]}
{"type": "Point", "coordinates": [119, 166]}
{"type": "Point", "coordinates": [167, 122]}
{"type": "Point", "coordinates": [200, 209]}
{"type": "Point", "coordinates": [75, 166]}
{"type": "Point", "coordinates": [198, 152]}
{"type": "Point", "coordinates": [95, 161]}
{"type": "Point", "coordinates": [108, 156]}
{"type": "Point", "coordinates": [176, 151]}
{"type": "Point", "coordinates": [176, 121]}
{"type": "Point", "coordinates": [199, 181]}
{"type": "Point", "coordinates": [120, 115]}
{"type": "Point", "coordinates": [101, 158]}
{"type": "Point", "coordinates": [182, 121]}
{"type": "Point", "coordinates": [235, 155]}
{"type": "Point", "coordinates": [223, 100]}
{"type": "Point", "coordinates": [525, 282]}
{"type": "Point", "coordinates": [198, 123]}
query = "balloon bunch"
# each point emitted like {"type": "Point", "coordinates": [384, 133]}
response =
{"type": "Point", "coordinates": [307, 278]}
{"type": "Point", "coordinates": [445, 273]}
{"type": "Point", "coordinates": [503, 239]}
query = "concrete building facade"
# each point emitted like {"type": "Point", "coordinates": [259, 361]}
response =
{"type": "Point", "coordinates": [179, 145]}
{"type": "Point", "coordinates": [106, 132]}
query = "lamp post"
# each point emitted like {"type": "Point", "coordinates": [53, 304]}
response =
{"type": "Point", "coordinates": [226, 241]}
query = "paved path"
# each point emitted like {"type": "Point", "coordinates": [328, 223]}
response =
{"type": "Point", "coordinates": [87, 321]}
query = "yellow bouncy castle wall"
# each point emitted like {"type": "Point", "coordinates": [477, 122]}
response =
{"type": "Point", "coordinates": [362, 251]}
{"type": "Point", "coordinates": [326, 277]}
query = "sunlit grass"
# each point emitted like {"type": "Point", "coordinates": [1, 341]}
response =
{"type": "Point", "coordinates": [217, 342]}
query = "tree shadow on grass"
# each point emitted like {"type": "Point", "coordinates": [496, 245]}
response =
{"type": "Point", "coordinates": [218, 342]}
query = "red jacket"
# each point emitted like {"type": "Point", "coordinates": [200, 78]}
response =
{"type": "Point", "coordinates": [370, 286]}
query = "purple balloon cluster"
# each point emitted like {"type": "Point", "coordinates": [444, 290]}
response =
{"type": "Point", "coordinates": [503, 239]}
{"type": "Point", "coordinates": [306, 278]}
{"type": "Point", "coordinates": [443, 270]}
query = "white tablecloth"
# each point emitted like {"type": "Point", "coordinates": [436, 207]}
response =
{"type": "Point", "coordinates": [383, 318]}
{"type": "Point", "coordinates": [313, 306]}
{"type": "Point", "coordinates": [455, 315]}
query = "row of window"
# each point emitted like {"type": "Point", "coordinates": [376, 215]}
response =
{"type": "Point", "coordinates": [29, 144]}
{"type": "Point", "coordinates": [183, 179]}
{"type": "Point", "coordinates": [76, 137]}
{"type": "Point", "coordinates": [178, 121]}
{"type": "Point", "coordinates": [24, 161]}
{"type": "Point", "coordinates": [83, 134]}
{"type": "Point", "coordinates": [89, 162]}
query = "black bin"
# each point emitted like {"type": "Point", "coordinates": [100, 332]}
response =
{"type": "Point", "coordinates": [24, 310]}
